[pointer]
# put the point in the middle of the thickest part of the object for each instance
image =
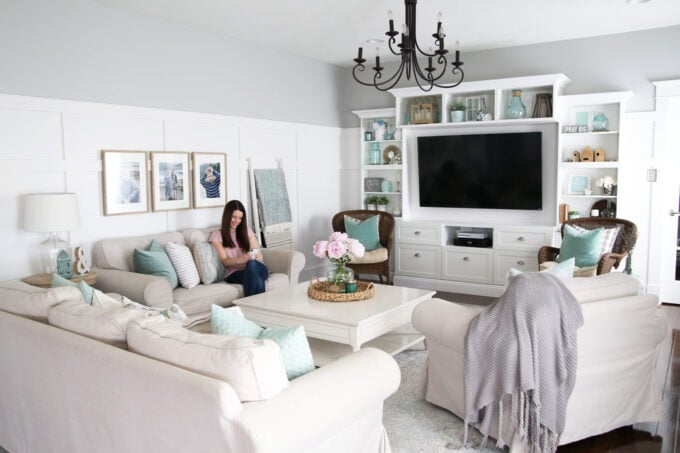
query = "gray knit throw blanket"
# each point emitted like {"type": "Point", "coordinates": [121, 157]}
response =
{"type": "Point", "coordinates": [522, 350]}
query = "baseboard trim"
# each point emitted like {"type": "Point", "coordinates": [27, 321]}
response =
{"type": "Point", "coordinates": [449, 286]}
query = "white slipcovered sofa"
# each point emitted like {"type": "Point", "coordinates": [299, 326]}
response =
{"type": "Point", "coordinates": [63, 391]}
{"type": "Point", "coordinates": [618, 345]}
{"type": "Point", "coordinates": [113, 262]}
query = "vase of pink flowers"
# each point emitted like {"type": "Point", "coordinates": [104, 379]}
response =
{"type": "Point", "coordinates": [339, 249]}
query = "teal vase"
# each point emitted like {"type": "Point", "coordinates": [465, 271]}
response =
{"type": "Point", "coordinates": [516, 110]}
{"type": "Point", "coordinates": [600, 122]}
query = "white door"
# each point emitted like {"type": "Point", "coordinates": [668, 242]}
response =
{"type": "Point", "coordinates": [668, 206]}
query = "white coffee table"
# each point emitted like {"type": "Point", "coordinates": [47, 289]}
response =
{"type": "Point", "coordinates": [336, 329]}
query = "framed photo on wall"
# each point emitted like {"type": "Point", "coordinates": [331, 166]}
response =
{"type": "Point", "coordinates": [124, 182]}
{"type": "Point", "coordinates": [170, 177]}
{"type": "Point", "coordinates": [210, 179]}
{"type": "Point", "coordinates": [578, 184]}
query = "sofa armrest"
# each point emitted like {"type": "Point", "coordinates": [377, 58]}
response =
{"type": "Point", "coordinates": [150, 290]}
{"type": "Point", "coordinates": [444, 322]}
{"type": "Point", "coordinates": [289, 262]}
{"type": "Point", "coordinates": [320, 404]}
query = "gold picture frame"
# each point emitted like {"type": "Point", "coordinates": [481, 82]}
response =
{"type": "Point", "coordinates": [124, 182]}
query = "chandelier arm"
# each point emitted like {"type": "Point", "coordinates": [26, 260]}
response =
{"type": "Point", "coordinates": [456, 69]}
{"type": "Point", "coordinates": [360, 68]}
{"type": "Point", "coordinates": [387, 84]}
{"type": "Point", "coordinates": [389, 45]}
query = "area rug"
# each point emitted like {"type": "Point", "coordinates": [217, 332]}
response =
{"type": "Point", "coordinates": [415, 426]}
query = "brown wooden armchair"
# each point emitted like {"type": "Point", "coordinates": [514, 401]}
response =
{"type": "Point", "coordinates": [623, 245]}
{"type": "Point", "coordinates": [386, 234]}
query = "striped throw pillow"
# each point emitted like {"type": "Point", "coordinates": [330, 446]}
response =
{"type": "Point", "coordinates": [608, 238]}
{"type": "Point", "coordinates": [183, 262]}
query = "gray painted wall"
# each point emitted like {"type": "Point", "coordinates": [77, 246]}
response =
{"type": "Point", "coordinates": [623, 62]}
{"type": "Point", "coordinates": [84, 50]}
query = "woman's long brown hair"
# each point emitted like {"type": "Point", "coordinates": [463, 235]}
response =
{"type": "Point", "coordinates": [241, 231]}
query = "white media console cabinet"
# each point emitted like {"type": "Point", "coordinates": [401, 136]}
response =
{"type": "Point", "coordinates": [426, 255]}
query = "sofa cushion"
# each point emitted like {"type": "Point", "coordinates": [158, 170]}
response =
{"type": "Point", "coordinates": [254, 368]}
{"type": "Point", "coordinates": [365, 231]}
{"type": "Point", "coordinates": [608, 238]}
{"type": "Point", "coordinates": [297, 355]}
{"type": "Point", "coordinates": [154, 261]}
{"type": "Point", "coordinates": [611, 285]}
{"type": "Point", "coordinates": [107, 323]}
{"type": "Point", "coordinates": [584, 246]}
{"type": "Point", "coordinates": [229, 322]}
{"type": "Point", "coordinates": [86, 290]}
{"type": "Point", "coordinates": [210, 268]}
{"type": "Point", "coordinates": [32, 302]}
{"type": "Point", "coordinates": [183, 262]}
{"type": "Point", "coordinates": [117, 253]}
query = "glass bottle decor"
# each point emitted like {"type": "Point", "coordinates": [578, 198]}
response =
{"type": "Point", "coordinates": [374, 157]}
{"type": "Point", "coordinates": [338, 277]}
{"type": "Point", "coordinates": [516, 109]}
{"type": "Point", "coordinates": [600, 122]}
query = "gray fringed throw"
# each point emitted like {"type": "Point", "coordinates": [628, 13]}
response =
{"type": "Point", "coordinates": [523, 347]}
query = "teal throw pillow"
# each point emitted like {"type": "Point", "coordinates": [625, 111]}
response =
{"type": "Point", "coordinates": [297, 355]}
{"type": "Point", "coordinates": [86, 290]}
{"type": "Point", "coordinates": [365, 231]}
{"type": "Point", "coordinates": [563, 270]}
{"type": "Point", "coordinates": [583, 246]}
{"type": "Point", "coordinates": [227, 322]}
{"type": "Point", "coordinates": [154, 261]}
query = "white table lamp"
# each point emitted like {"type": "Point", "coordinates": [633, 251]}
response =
{"type": "Point", "coordinates": [52, 213]}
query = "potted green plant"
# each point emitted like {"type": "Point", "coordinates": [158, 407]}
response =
{"type": "Point", "coordinates": [573, 214]}
{"type": "Point", "coordinates": [457, 112]}
{"type": "Point", "coordinates": [382, 203]}
{"type": "Point", "coordinates": [371, 202]}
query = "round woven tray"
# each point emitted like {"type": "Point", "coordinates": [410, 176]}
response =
{"type": "Point", "coordinates": [317, 289]}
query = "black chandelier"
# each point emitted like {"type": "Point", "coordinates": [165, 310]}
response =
{"type": "Point", "coordinates": [409, 51]}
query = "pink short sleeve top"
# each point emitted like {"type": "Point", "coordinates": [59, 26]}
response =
{"type": "Point", "coordinates": [231, 252]}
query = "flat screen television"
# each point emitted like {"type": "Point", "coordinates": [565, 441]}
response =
{"type": "Point", "coordinates": [485, 171]}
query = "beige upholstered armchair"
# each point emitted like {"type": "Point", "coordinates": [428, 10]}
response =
{"type": "Point", "coordinates": [377, 261]}
{"type": "Point", "coordinates": [623, 245]}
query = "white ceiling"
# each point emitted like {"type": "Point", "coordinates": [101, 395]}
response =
{"type": "Point", "coordinates": [330, 31]}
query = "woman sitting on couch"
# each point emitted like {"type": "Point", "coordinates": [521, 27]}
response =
{"type": "Point", "coordinates": [238, 250]}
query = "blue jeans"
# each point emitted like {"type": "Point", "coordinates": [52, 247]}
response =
{"type": "Point", "coordinates": [252, 277]}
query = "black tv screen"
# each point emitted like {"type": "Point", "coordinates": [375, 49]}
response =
{"type": "Point", "coordinates": [485, 171]}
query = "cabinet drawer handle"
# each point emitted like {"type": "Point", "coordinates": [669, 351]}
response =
{"type": "Point", "coordinates": [466, 258]}
{"type": "Point", "coordinates": [417, 233]}
{"type": "Point", "coordinates": [520, 263]}
{"type": "Point", "coordinates": [521, 238]}
{"type": "Point", "coordinates": [417, 255]}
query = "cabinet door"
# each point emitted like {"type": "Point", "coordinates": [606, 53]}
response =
{"type": "Point", "coordinates": [418, 260]}
{"type": "Point", "coordinates": [504, 261]}
{"type": "Point", "coordinates": [467, 264]}
{"type": "Point", "coordinates": [419, 233]}
{"type": "Point", "coordinates": [522, 238]}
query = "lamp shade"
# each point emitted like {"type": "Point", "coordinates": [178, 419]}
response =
{"type": "Point", "coordinates": [51, 212]}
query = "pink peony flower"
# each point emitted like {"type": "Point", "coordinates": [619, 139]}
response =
{"type": "Point", "coordinates": [320, 249]}
{"type": "Point", "coordinates": [336, 249]}
{"type": "Point", "coordinates": [356, 248]}
{"type": "Point", "coordinates": [338, 237]}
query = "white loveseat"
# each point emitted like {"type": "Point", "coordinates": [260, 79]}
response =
{"type": "Point", "coordinates": [65, 392]}
{"type": "Point", "coordinates": [618, 345]}
{"type": "Point", "coordinates": [113, 261]}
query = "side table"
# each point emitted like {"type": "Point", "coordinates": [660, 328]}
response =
{"type": "Point", "coordinates": [45, 280]}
